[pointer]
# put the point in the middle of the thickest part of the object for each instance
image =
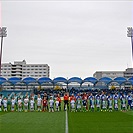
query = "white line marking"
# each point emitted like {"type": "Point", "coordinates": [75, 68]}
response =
{"type": "Point", "coordinates": [66, 131]}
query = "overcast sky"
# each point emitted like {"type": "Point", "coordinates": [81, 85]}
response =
{"type": "Point", "coordinates": [73, 38]}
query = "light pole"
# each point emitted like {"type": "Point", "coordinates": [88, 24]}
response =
{"type": "Point", "coordinates": [130, 34]}
{"type": "Point", "coordinates": [2, 34]}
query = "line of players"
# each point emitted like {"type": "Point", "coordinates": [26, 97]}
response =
{"type": "Point", "coordinates": [30, 103]}
{"type": "Point", "coordinates": [84, 102]}
{"type": "Point", "coordinates": [102, 102]}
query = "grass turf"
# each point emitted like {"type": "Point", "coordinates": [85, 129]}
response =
{"type": "Point", "coordinates": [32, 122]}
{"type": "Point", "coordinates": [100, 122]}
{"type": "Point", "coordinates": [80, 122]}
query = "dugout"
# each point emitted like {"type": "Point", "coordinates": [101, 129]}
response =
{"type": "Point", "coordinates": [88, 83]}
{"type": "Point", "coordinates": [74, 83]}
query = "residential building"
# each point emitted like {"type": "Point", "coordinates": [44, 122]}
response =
{"type": "Point", "coordinates": [111, 74]}
{"type": "Point", "coordinates": [128, 73]}
{"type": "Point", "coordinates": [22, 70]}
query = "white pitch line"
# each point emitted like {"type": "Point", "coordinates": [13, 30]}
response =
{"type": "Point", "coordinates": [66, 130]}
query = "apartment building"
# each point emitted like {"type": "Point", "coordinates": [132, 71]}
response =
{"type": "Point", "coordinates": [22, 69]}
{"type": "Point", "coordinates": [110, 74]}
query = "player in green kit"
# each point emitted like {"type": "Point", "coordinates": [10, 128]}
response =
{"type": "Point", "coordinates": [98, 102]}
{"type": "Point", "coordinates": [8, 102]}
{"type": "Point", "coordinates": [92, 105]}
{"type": "Point", "coordinates": [123, 102]}
{"type": "Point", "coordinates": [116, 97]}
{"type": "Point", "coordinates": [104, 104]}
{"type": "Point", "coordinates": [78, 105]}
{"type": "Point", "coordinates": [110, 100]}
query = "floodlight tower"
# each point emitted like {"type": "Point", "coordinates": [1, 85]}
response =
{"type": "Point", "coordinates": [130, 34]}
{"type": "Point", "coordinates": [3, 33]}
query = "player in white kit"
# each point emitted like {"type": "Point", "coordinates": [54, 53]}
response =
{"type": "Point", "coordinates": [32, 103]}
{"type": "Point", "coordinates": [13, 102]}
{"type": "Point", "coordinates": [19, 104]}
{"type": "Point", "coordinates": [0, 103]}
{"type": "Point", "coordinates": [39, 103]}
{"type": "Point", "coordinates": [51, 105]}
{"type": "Point", "coordinates": [5, 104]}
{"type": "Point", "coordinates": [26, 103]}
{"type": "Point", "coordinates": [57, 104]}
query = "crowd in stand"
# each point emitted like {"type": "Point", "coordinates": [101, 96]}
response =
{"type": "Point", "coordinates": [101, 101]}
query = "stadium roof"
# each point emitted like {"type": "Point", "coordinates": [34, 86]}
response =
{"type": "Point", "coordinates": [29, 80]}
{"type": "Point", "coordinates": [14, 80]}
{"type": "Point", "coordinates": [60, 79]}
{"type": "Point", "coordinates": [44, 80]}
{"type": "Point", "coordinates": [75, 79]}
{"type": "Point", "coordinates": [106, 80]}
{"type": "Point", "coordinates": [90, 79]}
{"type": "Point", "coordinates": [2, 80]}
{"type": "Point", "coordinates": [120, 80]}
{"type": "Point", "coordinates": [130, 80]}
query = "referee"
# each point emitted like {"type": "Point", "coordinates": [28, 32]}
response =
{"type": "Point", "coordinates": [66, 101]}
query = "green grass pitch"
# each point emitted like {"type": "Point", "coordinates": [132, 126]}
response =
{"type": "Point", "coordinates": [101, 122]}
{"type": "Point", "coordinates": [78, 122]}
{"type": "Point", "coordinates": [32, 122]}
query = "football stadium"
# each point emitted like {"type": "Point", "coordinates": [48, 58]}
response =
{"type": "Point", "coordinates": [62, 105]}
{"type": "Point", "coordinates": [76, 38]}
